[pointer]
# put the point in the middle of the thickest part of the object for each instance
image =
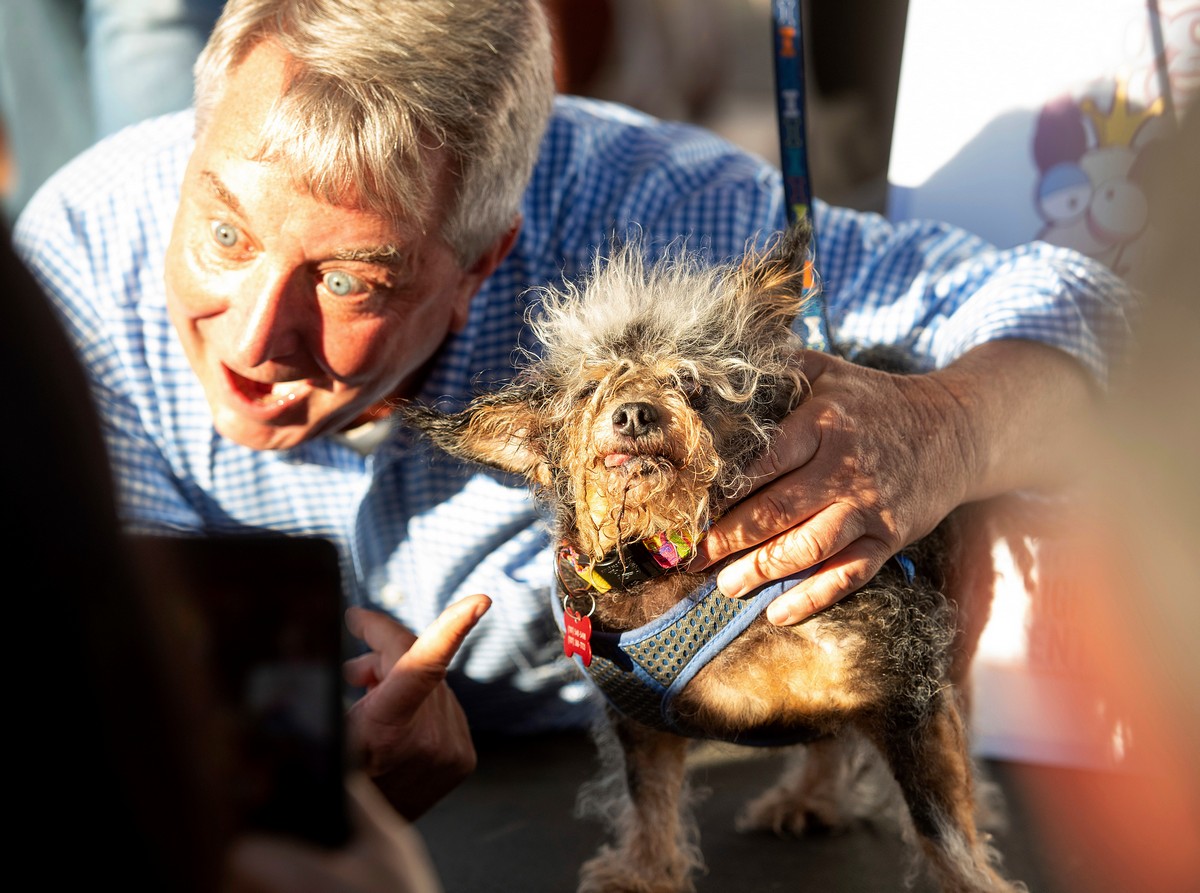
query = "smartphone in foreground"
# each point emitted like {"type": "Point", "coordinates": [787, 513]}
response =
{"type": "Point", "coordinates": [266, 611]}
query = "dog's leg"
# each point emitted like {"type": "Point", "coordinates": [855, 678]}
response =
{"type": "Point", "coordinates": [655, 847]}
{"type": "Point", "coordinates": [824, 786]}
{"type": "Point", "coordinates": [933, 766]}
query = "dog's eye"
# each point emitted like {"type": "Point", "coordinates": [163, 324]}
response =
{"type": "Point", "coordinates": [696, 393]}
{"type": "Point", "coordinates": [587, 390]}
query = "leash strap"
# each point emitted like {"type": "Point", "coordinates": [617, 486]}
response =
{"type": "Point", "coordinates": [793, 151]}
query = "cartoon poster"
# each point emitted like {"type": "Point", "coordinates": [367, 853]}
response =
{"type": "Point", "coordinates": [1023, 120]}
{"type": "Point", "coordinates": [1032, 120]}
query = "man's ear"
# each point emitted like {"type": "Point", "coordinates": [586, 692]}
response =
{"type": "Point", "coordinates": [484, 266]}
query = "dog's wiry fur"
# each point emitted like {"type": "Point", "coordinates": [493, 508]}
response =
{"type": "Point", "coordinates": [658, 384]}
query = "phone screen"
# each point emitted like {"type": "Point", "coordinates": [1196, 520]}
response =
{"type": "Point", "coordinates": [267, 614]}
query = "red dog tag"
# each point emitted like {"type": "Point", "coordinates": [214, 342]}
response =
{"type": "Point", "coordinates": [577, 635]}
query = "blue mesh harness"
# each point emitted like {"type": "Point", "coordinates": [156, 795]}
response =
{"type": "Point", "coordinates": [642, 671]}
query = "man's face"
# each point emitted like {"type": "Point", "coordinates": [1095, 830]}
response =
{"type": "Point", "coordinates": [298, 316]}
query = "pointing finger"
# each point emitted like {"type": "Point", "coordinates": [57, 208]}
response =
{"type": "Point", "coordinates": [423, 666]}
{"type": "Point", "coordinates": [440, 641]}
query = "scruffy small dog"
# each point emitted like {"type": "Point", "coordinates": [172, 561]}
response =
{"type": "Point", "coordinates": [657, 386]}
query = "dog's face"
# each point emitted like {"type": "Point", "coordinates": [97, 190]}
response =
{"type": "Point", "coordinates": [655, 388]}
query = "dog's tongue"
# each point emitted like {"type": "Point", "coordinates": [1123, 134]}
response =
{"type": "Point", "coordinates": [612, 460]}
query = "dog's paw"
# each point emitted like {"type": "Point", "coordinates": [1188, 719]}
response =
{"type": "Point", "coordinates": [612, 871]}
{"type": "Point", "coordinates": [780, 811]}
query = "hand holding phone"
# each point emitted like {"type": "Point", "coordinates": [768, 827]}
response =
{"type": "Point", "coordinates": [266, 611]}
{"type": "Point", "coordinates": [385, 855]}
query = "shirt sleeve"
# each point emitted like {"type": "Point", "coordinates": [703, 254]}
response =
{"type": "Point", "coordinates": [939, 291]}
{"type": "Point", "coordinates": [608, 173]}
{"type": "Point", "coordinates": [80, 251]}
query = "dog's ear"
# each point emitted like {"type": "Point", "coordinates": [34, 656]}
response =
{"type": "Point", "coordinates": [500, 430]}
{"type": "Point", "coordinates": [776, 282]}
{"type": "Point", "coordinates": [789, 261]}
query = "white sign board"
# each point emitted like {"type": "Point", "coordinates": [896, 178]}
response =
{"type": "Point", "coordinates": [1037, 119]}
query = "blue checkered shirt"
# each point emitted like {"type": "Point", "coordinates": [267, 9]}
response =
{"type": "Point", "coordinates": [418, 530]}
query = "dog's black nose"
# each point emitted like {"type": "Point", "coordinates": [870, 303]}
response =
{"type": "Point", "coordinates": [634, 419]}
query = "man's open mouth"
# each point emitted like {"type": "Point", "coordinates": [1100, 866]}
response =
{"type": "Point", "coordinates": [266, 393]}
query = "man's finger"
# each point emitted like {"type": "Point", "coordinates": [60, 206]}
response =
{"type": "Point", "coordinates": [798, 548]}
{"type": "Point", "coordinates": [440, 641]}
{"type": "Point", "coordinates": [794, 447]}
{"type": "Point", "coordinates": [756, 519]}
{"type": "Point", "coordinates": [774, 506]}
{"type": "Point", "coordinates": [423, 666]}
{"type": "Point", "coordinates": [380, 631]}
{"type": "Point", "coordinates": [837, 578]}
{"type": "Point", "coordinates": [362, 671]}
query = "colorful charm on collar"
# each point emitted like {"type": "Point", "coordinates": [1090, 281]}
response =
{"type": "Point", "coordinates": [633, 563]}
{"type": "Point", "coordinates": [578, 570]}
{"type": "Point", "coordinates": [668, 549]}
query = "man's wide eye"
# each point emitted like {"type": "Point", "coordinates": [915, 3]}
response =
{"type": "Point", "coordinates": [225, 233]}
{"type": "Point", "coordinates": [340, 283]}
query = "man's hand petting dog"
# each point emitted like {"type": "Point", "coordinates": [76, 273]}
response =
{"type": "Point", "coordinates": [408, 731]}
{"type": "Point", "coordinates": [874, 461]}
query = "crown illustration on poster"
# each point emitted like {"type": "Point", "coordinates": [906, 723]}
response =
{"type": "Point", "coordinates": [1120, 124]}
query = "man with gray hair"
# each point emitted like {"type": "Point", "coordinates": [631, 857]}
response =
{"type": "Point", "coordinates": [358, 212]}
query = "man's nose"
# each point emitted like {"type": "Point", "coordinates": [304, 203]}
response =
{"type": "Point", "coordinates": [274, 309]}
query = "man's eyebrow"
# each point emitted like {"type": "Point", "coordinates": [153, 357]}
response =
{"type": "Point", "coordinates": [217, 185]}
{"type": "Point", "coordinates": [385, 255]}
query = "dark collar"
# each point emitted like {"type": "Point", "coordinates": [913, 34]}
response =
{"type": "Point", "coordinates": [624, 567]}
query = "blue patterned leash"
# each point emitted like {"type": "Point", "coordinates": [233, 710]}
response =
{"type": "Point", "coordinates": [788, 36]}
